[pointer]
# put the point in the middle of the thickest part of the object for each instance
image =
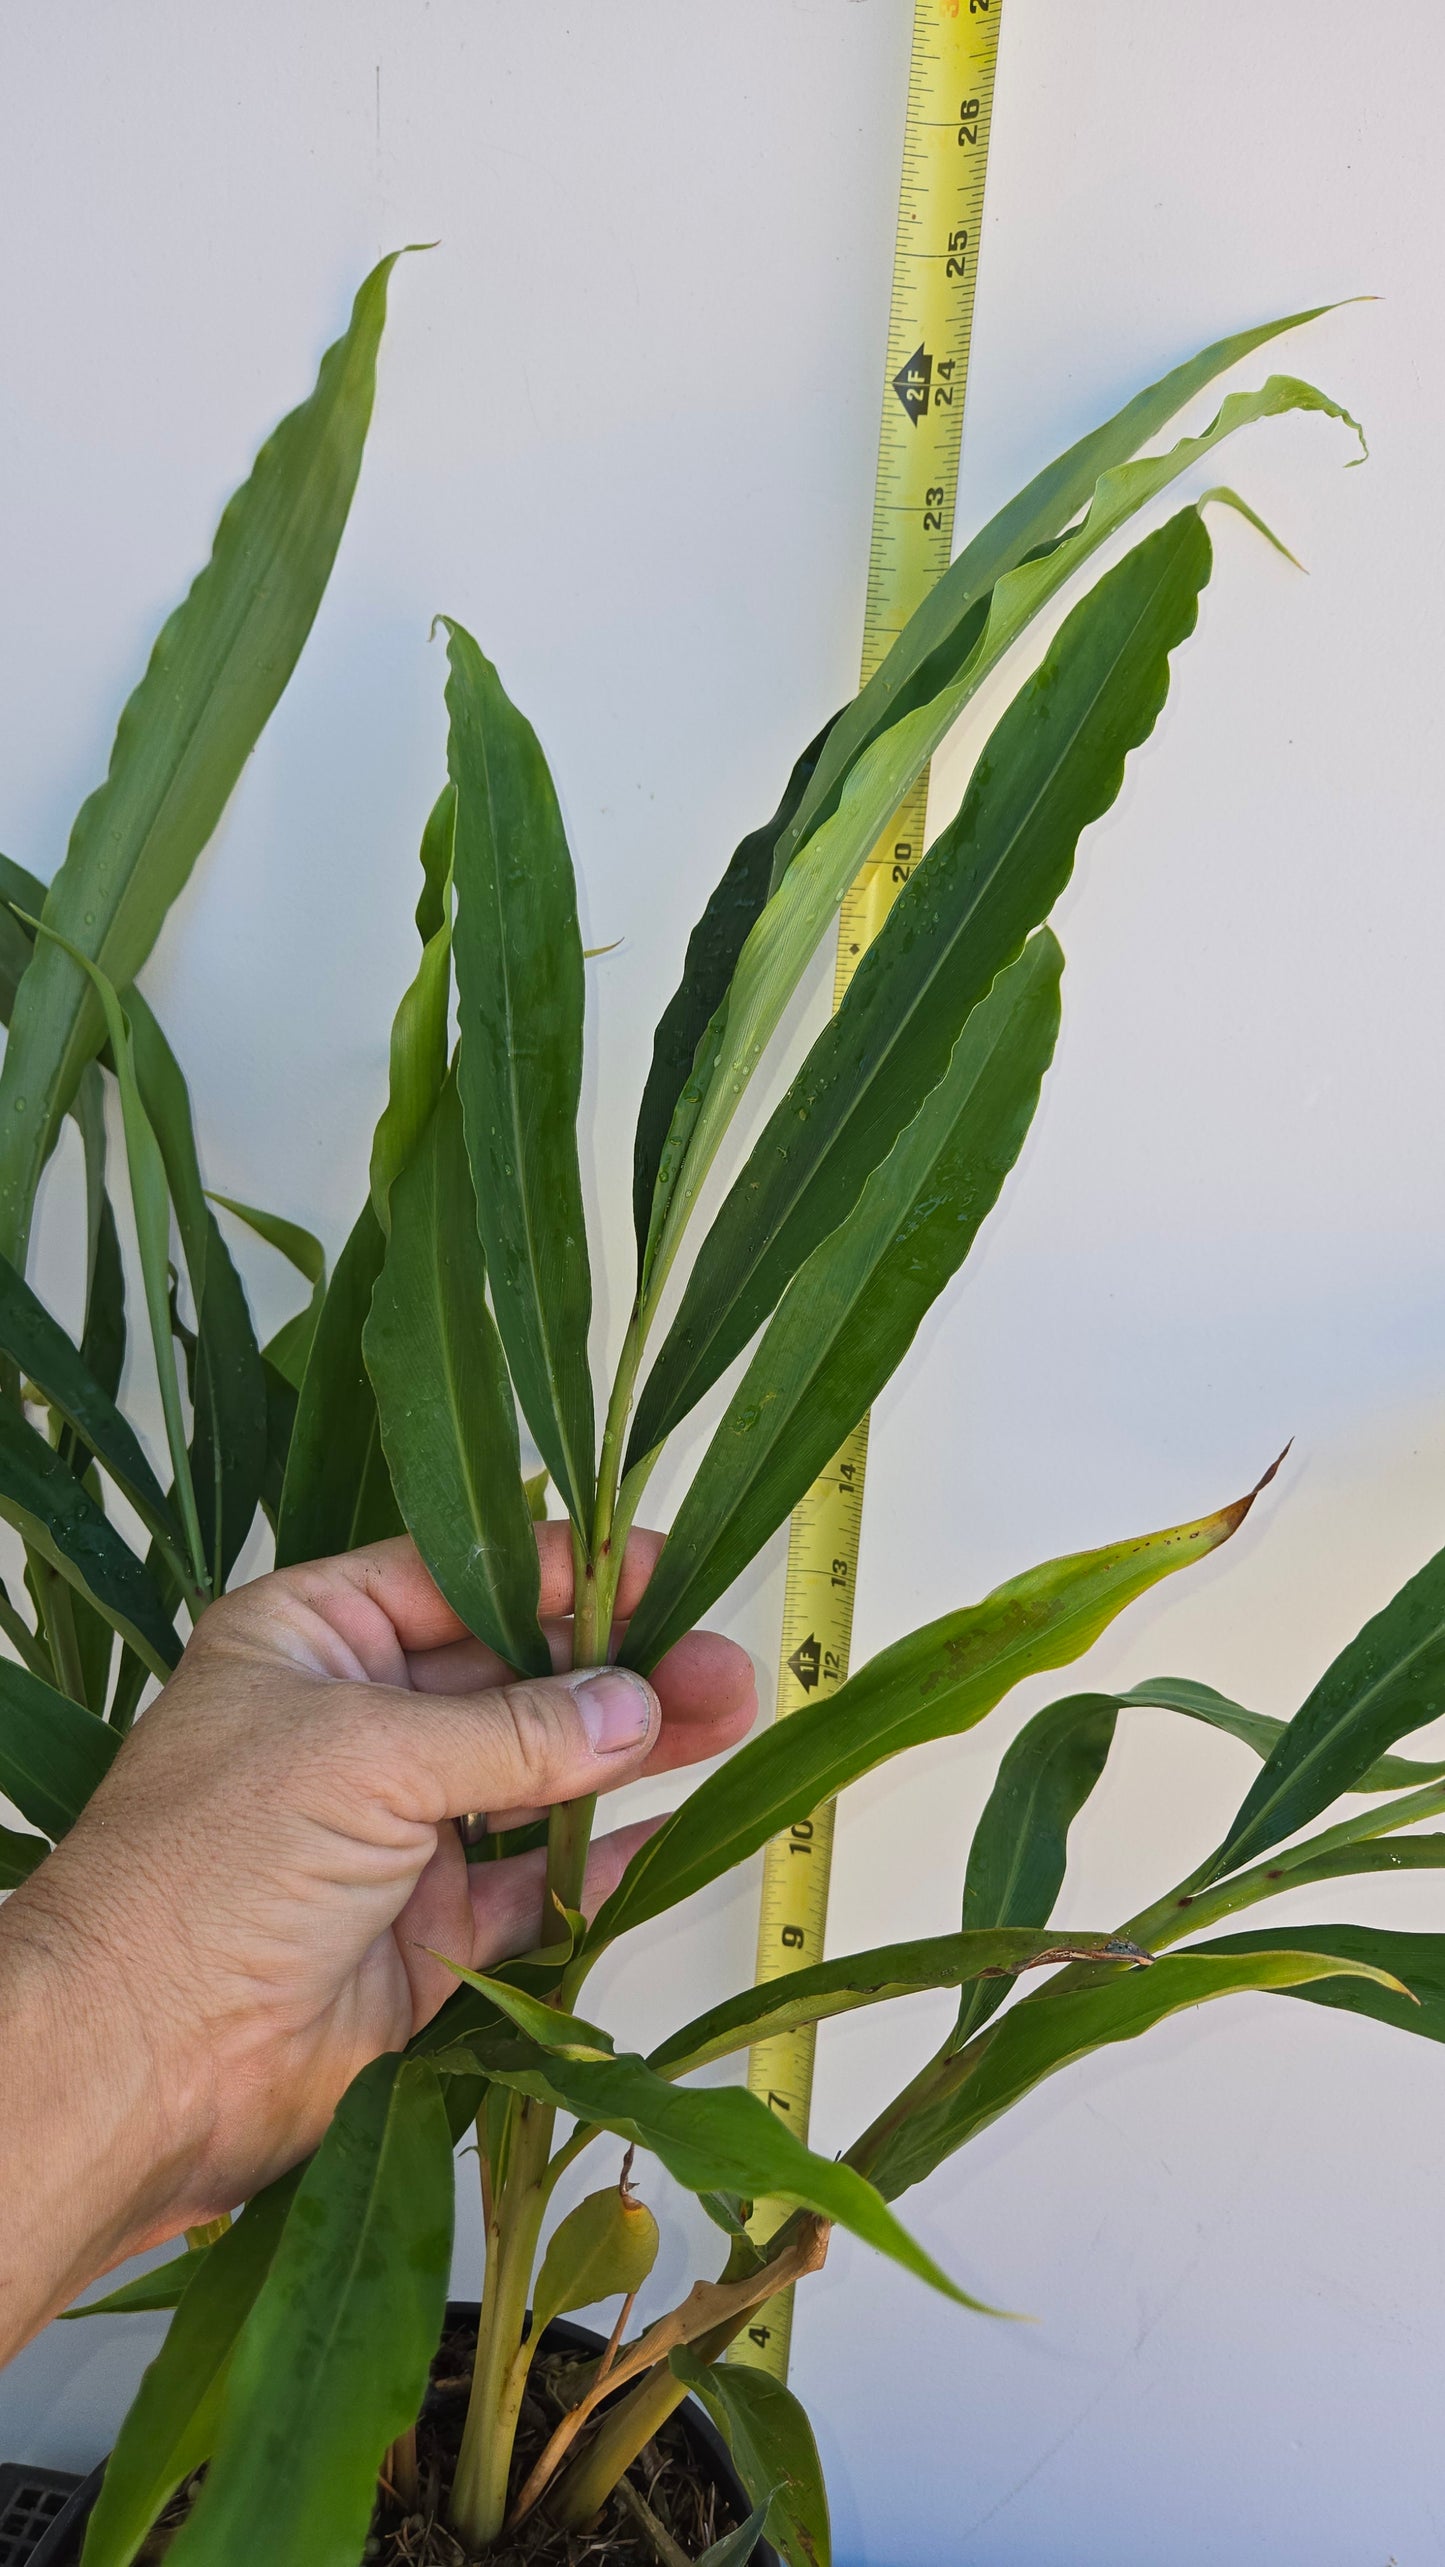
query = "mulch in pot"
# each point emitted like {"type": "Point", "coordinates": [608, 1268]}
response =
{"type": "Point", "coordinates": [674, 2476]}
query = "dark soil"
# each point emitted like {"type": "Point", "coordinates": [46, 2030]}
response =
{"type": "Point", "coordinates": [666, 2475]}
{"type": "Point", "coordinates": [673, 2482]}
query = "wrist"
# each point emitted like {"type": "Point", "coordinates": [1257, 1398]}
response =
{"type": "Point", "coordinates": [101, 2140]}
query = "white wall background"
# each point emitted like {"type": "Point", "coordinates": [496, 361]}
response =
{"type": "Point", "coordinates": [625, 429]}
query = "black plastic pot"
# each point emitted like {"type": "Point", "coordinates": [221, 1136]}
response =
{"type": "Point", "coordinates": [62, 2542]}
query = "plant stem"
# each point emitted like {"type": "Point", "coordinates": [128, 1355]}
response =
{"type": "Point", "coordinates": [479, 2496]}
{"type": "Point", "coordinates": [584, 2487]}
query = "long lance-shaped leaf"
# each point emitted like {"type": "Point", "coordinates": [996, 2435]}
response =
{"type": "Point", "coordinates": [871, 1978]}
{"type": "Point", "coordinates": [712, 951]}
{"type": "Point", "coordinates": [287, 1351]}
{"type": "Point", "coordinates": [337, 1491]}
{"type": "Point", "coordinates": [46, 1356]}
{"type": "Point", "coordinates": [849, 1315]}
{"type": "Point", "coordinates": [163, 2287]}
{"type": "Point", "coordinates": [942, 628]}
{"type": "Point", "coordinates": [419, 1029]}
{"type": "Point", "coordinates": [1261, 1732]}
{"type": "Point", "coordinates": [22, 891]}
{"type": "Point", "coordinates": [53, 1752]}
{"type": "Point", "coordinates": [1390, 1680]}
{"type": "Point", "coordinates": [102, 1344]}
{"type": "Point", "coordinates": [710, 2138]}
{"type": "Point", "coordinates": [786, 933]}
{"type": "Point", "coordinates": [1020, 1845]}
{"type": "Point", "coordinates": [737, 2547]}
{"type": "Point", "coordinates": [150, 1203]}
{"type": "Point", "coordinates": [1054, 763]}
{"type": "Point", "coordinates": [520, 1001]}
{"type": "Point", "coordinates": [772, 2443]}
{"type": "Point", "coordinates": [102, 1341]}
{"type": "Point", "coordinates": [957, 2097]}
{"type": "Point", "coordinates": [1368, 1843]}
{"type": "Point", "coordinates": [332, 2364]}
{"type": "Point", "coordinates": [448, 1420]}
{"type": "Point", "coordinates": [1417, 1960]}
{"type": "Point", "coordinates": [172, 2425]}
{"type": "Point", "coordinates": [228, 1445]}
{"type": "Point", "coordinates": [937, 1682]}
{"type": "Point", "coordinates": [215, 675]}
{"type": "Point", "coordinates": [57, 1516]}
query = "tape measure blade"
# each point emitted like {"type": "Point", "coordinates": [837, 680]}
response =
{"type": "Point", "coordinates": [940, 212]}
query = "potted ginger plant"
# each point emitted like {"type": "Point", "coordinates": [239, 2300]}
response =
{"type": "Point", "coordinates": [461, 1298]}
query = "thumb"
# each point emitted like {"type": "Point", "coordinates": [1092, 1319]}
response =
{"type": "Point", "coordinates": [524, 1745]}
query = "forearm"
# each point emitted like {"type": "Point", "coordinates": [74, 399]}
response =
{"type": "Point", "coordinates": [91, 2158]}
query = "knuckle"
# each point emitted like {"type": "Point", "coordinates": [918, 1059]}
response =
{"type": "Point", "coordinates": [535, 1730]}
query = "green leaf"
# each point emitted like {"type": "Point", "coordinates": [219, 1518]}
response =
{"type": "Point", "coordinates": [959, 2096]}
{"type": "Point", "coordinates": [869, 1978]}
{"type": "Point", "coordinates": [1259, 1731]}
{"type": "Point", "coordinates": [43, 1352]}
{"type": "Point", "coordinates": [53, 1753]}
{"type": "Point", "coordinates": [337, 1492]}
{"type": "Point", "coordinates": [1366, 1844]}
{"type": "Point", "coordinates": [215, 675]}
{"type": "Point", "coordinates": [603, 2250]}
{"type": "Point", "coordinates": [448, 1422]}
{"type": "Point", "coordinates": [942, 629]}
{"type": "Point", "coordinates": [150, 1204]}
{"type": "Point", "coordinates": [281, 1404]}
{"type": "Point", "coordinates": [818, 874]}
{"type": "Point", "coordinates": [850, 1314]}
{"type": "Point", "coordinates": [1020, 1846]}
{"type": "Point", "coordinates": [1417, 1960]}
{"type": "Point", "coordinates": [436, 863]}
{"type": "Point", "coordinates": [737, 2547]}
{"type": "Point", "coordinates": [1388, 1681]}
{"type": "Point", "coordinates": [710, 2138]}
{"type": "Point", "coordinates": [419, 1030]}
{"type": "Point", "coordinates": [712, 951]}
{"type": "Point", "coordinates": [162, 2288]}
{"type": "Point", "coordinates": [934, 1684]}
{"type": "Point", "coordinates": [288, 1349]}
{"type": "Point", "coordinates": [549, 2026]}
{"type": "Point", "coordinates": [520, 993]}
{"type": "Point", "coordinates": [228, 1447]}
{"type": "Point", "coordinates": [535, 1491]}
{"type": "Point", "coordinates": [102, 1343]}
{"type": "Point", "coordinates": [19, 890]}
{"type": "Point", "coordinates": [771, 2440]}
{"type": "Point", "coordinates": [333, 2362]}
{"type": "Point", "coordinates": [19, 1856]}
{"type": "Point", "coordinates": [1054, 763]}
{"type": "Point", "coordinates": [57, 1516]}
{"type": "Point", "coordinates": [172, 2425]}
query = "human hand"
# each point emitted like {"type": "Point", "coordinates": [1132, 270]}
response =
{"type": "Point", "coordinates": [248, 1909]}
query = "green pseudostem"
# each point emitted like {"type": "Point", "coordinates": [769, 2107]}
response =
{"type": "Point", "coordinates": [518, 2178]}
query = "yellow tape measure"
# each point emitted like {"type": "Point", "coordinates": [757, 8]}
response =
{"type": "Point", "coordinates": [935, 262]}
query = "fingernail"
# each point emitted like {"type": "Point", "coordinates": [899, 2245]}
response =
{"type": "Point", "coordinates": [616, 1708]}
